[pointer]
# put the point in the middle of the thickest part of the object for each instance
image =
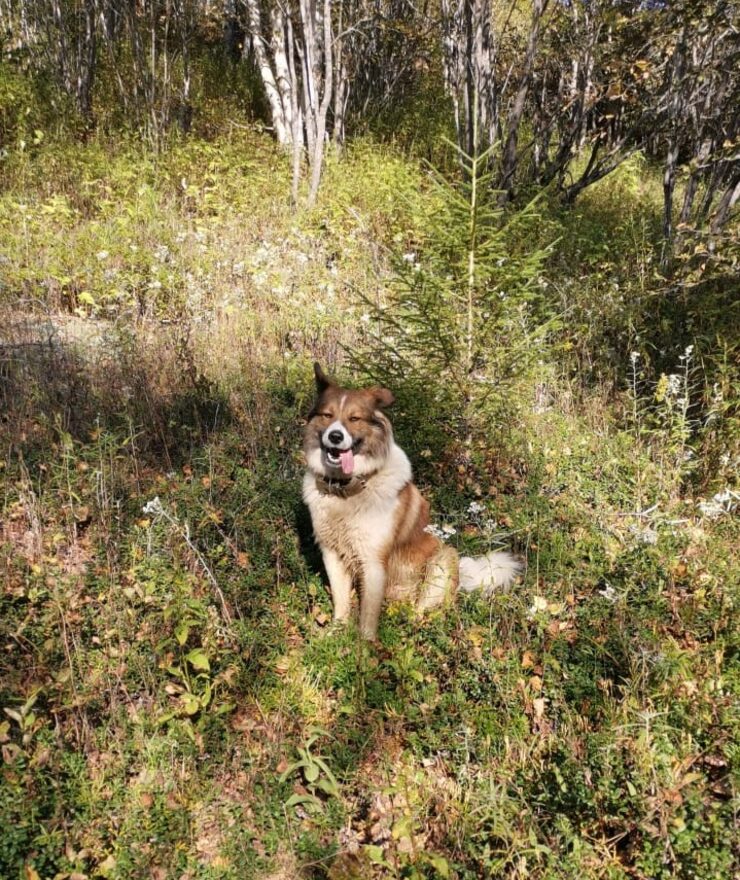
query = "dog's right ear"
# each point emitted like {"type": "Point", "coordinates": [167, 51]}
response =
{"type": "Point", "coordinates": [322, 380]}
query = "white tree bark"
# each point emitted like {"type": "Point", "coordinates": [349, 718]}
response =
{"type": "Point", "coordinates": [299, 64]}
{"type": "Point", "coordinates": [283, 132]}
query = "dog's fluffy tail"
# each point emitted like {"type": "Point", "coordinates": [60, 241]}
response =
{"type": "Point", "coordinates": [486, 573]}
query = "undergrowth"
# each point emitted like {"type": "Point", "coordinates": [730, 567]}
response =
{"type": "Point", "coordinates": [176, 702]}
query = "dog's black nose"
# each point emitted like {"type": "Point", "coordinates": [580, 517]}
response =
{"type": "Point", "coordinates": [336, 437]}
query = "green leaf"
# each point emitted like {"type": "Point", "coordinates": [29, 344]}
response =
{"type": "Point", "coordinates": [402, 828]}
{"type": "Point", "coordinates": [30, 701]}
{"type": "Point", "coordinates": [327, 787]}
{"type": "Point", "coordinates": [205, 697]}
{"type": "Point", "coordinates": [330, 776]}
{"type": "Point", "coordinates": [308, 800]}
{"type": "Point", "coordinates": [181, 633]}
{"type": "Point", "coordinates": [440, 865]}
{"type": "Point", "coordinates": [190, 703]}
{"type": "Point", "coordinates": [289, 771]}
{"type": "Point", "coordinates": [311, 772]}
{"type": "Point", "coordinates": [375, 854]}
{"type": "Point", "coordinates": [198, 660]}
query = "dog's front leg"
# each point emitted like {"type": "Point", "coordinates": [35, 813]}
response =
{"type": "Point", "coordinates": [371, 602]}
{"type": "Point", "coordinates": [340, 582]}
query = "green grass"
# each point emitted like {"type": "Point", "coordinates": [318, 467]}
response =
{"type": "Point", "coordinates": [177, 703]}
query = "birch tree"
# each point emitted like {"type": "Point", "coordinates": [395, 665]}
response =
{"type": "Point", "coordinates": [296, 48]}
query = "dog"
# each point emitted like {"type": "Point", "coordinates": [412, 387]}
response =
{"type": "Point", "coordinates": [369, 519]}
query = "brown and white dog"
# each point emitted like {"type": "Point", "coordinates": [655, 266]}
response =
{"type": "Point", "coordinates": [370, 520]}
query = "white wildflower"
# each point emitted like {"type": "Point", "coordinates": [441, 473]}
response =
{"type": "Point", "coordinates": [538, 605]}
{"type": "Point", "coordinates": [476, 507]}
{"type": "Point", "coordinates": [721, 503]}
{"type": "Point", "coordinates": [609, 593]}
{"type": "Point", "coordinates": [674, 385]}
{"type": "Point", "coordinates": [645, 535]}
{"type": "Point", "coordinates": [102, 255]}
{"type": "Point", "coordinates": [153, 507]}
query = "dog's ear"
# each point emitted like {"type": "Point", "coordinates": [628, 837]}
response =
{"type": "Point", "coordinates": [383, 397]}
{"type": "Point", "coordinates": [322, 380]}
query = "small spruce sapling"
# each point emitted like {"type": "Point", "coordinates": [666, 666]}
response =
{"type": "Point", "coordinates": [466, 316]}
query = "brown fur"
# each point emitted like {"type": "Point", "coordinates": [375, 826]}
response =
{"type": "Point", "coordinates": [371, 523]}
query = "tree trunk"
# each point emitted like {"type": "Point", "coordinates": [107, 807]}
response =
{"type": "Point", "coordinates": [726, 204]}
{"type": "Point", "coordinates": [510, 158]}
{"type": "Point", "coordinates": [316, 161]}
{"type": "Point", "coordinates": [279, 122]}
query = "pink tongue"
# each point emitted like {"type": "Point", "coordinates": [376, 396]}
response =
{"type": "Point", "coordinates": [348, 461]}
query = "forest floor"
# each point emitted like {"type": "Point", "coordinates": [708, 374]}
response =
{"type": "Point", "coordinates": [176, 702]}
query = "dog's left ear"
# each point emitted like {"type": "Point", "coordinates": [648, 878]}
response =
{"type": "Point", "coordinates": [383, 397]}
{"type": "Point", "coordinates": [322, 380]}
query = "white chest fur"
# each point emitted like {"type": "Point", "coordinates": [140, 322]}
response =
{"type": "Point", "coordinates": [360, 527]}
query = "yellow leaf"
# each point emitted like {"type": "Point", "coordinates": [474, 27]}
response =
{"type": "Point", "coordinates": [106, 866]}
{"type": "Point", "coordinates": [475, 635]}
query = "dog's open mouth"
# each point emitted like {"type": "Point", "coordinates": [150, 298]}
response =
{"type": "Point", "coordinates": [344, 458]}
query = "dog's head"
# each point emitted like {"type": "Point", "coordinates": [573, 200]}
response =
{"type": "Point", "coordinates": [347, 433]}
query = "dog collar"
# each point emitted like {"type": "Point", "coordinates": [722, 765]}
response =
{"type": "Point", "coordinates": [342, 488]}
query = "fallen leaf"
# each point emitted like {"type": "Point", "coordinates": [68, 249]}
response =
{"type": "Point", "coordinates": [107, 866]}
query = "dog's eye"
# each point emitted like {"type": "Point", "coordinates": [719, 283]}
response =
{"type": "Point", "coordinates": [355, 419]}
